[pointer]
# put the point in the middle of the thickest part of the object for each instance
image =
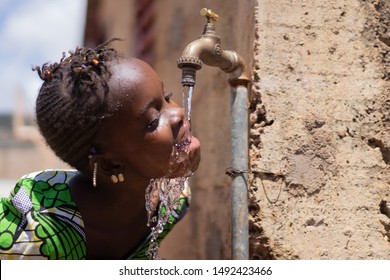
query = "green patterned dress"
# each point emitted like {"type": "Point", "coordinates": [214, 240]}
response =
{"type": "Point", "coordinates": [39, 220]}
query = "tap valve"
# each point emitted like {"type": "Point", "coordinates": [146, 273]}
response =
{"type": "Point", "coordinates": [208, 50]}
{"type": "Point", "coordinates": [209, 14]}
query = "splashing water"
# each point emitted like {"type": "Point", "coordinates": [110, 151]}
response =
{"type": "Point", "coordinates": [169, 193]}
{"type": "Point", "coordinates": [167, 189]}
{"type": "Point", "coordinates": [187, 100]}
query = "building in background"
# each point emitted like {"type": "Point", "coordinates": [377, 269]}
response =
{"type": "Point", "coordinates": [27, 42]}
{"type": "Point", "coordinates": [132, 21]}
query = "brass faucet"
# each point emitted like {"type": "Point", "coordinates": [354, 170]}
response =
{"type": "Point", "coordinates": [208, 50]}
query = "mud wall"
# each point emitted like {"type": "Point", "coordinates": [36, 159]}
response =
{"type": "Point", "coordinates": [320, 130]}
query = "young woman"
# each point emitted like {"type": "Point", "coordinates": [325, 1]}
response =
{"type": "Point", "coordinates": [110, 118]}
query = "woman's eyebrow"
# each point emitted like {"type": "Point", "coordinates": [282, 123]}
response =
{"type": "Point", "coordinates": [150, 103]}
{"type": "Point", "coordinates": [144, 108]}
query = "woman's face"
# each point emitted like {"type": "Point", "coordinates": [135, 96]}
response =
{"type": "Point", "coordinates": [141, 135]}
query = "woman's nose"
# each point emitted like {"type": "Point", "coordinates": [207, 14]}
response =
{"type": "Point", "coordinates": [177, 119]}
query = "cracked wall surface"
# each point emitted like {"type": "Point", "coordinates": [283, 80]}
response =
{"type": "Point", "coordinates": [320, 130]}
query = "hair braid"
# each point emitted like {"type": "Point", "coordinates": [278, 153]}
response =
{"type": "Point", "coordinates": [73, 100]}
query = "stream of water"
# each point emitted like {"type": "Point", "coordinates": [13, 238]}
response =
{"type": "Point", "coordinates": [187, 101]}
{"type": "Point", "coordinates": [167, 189]}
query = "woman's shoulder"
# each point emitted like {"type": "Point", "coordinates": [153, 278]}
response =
{"type": "Point", "coordinates": [51, 176]}
{"type": "Point", "coordinates": [40, 220]}
{"type": "Point", "coordinates": [47, 188]}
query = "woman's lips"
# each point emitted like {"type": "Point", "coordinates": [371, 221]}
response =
{"type": "Point", "coordinates": [194, 144]}
{"type": "Point", "coordinates": [185, 156]}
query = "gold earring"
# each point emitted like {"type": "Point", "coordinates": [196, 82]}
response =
{"type": "Point", "coordinates": [114, 179]}
{"type": "Point", "coordinates": [121, 178]}
{"type": "Point", "coordinates": [94, 174]}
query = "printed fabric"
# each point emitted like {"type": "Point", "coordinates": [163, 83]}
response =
{"type": "Point", "coordinates": [39, 220]}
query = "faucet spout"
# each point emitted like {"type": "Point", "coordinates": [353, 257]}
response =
{"type": "Point", "coordinates": [208, 50]}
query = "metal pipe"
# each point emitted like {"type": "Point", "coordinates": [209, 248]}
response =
{"type": "Point", "coordinates": [208, 50]}
{"type": "Point", "coordinates": [239, 151]}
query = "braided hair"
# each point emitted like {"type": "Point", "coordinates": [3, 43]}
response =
{"type": "Point", "coordinates": [73, 100]}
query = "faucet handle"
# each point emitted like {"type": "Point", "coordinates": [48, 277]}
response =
{"type": "Point", "coordinates": [209, 14]}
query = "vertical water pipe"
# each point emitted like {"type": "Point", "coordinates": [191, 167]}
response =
{"type": "Point", "coordinates": [239, 188]}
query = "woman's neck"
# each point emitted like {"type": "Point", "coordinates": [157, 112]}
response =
{"type": "Point", "coordinates": [114, 216]}
{"type": "Point", "coordinates": [127, 196]}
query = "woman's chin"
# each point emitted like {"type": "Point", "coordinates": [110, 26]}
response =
{"type": "Point", "coordinates": [194, 153]}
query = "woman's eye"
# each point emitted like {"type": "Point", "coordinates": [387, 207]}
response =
{"type": "Point", "coordinates": [152, 126]}
{"type": "Point", "coordinates": [167, 96]}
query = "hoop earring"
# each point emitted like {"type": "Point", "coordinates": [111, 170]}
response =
{"type": "Point", "coordinates": [95, 165]}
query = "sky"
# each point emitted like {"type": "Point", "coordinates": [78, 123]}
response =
{"type": "Point", "coordinates": [33, 32]}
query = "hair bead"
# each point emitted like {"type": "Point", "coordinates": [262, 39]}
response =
{"type": "Point", "coordinates": [94, 61]}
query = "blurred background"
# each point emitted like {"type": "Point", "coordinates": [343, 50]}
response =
{"type": "Point", "coordinates": [32, 33]}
